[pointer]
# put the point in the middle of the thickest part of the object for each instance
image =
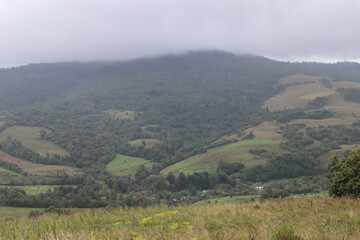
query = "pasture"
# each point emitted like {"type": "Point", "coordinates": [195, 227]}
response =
{"type": "Point", "coordinates": [298, 96]}
{"type": "Point", "coordinates": [125, 165]}
{"type": "Point", "coordinates": [229, 199]}
{"type": "Point", "coordinates": [34, 189]}
{"type": "Point", "coordinates": [29, 137]}
{"type": "Point", "coordinates": [235, 152]}
{"type": "Point", "coordinates": [310, 87]}
{"type": "Point", "coordinates": [6, 176]}
{"type": "Point", "coordinates": [266, 136]}
{"type": "Point", "coordinates": [38, 169]}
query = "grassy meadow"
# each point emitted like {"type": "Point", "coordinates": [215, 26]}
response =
{"type": "Point", "coordinates": [6, 176]}
{"type": "Point", "coordinates": [14, 212]}
{"type": "Point", "coordinates": [307, 88]}
{"type": "Point", "coordinates": [34, 189]}
{"type": "Point", "coordinates": [125, 165]}
{"type": "Point", "coordinates": [266, 137]}
{"type": "Point", "coordinates": [37, 169]}
{"type": "Point", "coordinates": [29, 137]}
{"type": "Point", "coordinates": [287, 219]}
{"type": "Point", "coordinates": [229, 199]}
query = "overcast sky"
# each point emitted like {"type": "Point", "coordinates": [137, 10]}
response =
{"type": "Point", "coordinates": [63, 30]}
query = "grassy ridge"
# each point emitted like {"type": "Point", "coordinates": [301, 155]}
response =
{"type": "Point", "coordinates": [301, 219]}
{"type": "Point", "coordinates": [125, 165]}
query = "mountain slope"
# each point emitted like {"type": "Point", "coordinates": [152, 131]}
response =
{"type": "Point", "coordinates": [186, 102]}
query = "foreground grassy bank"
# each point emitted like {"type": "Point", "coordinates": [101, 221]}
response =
{"type": "Point", "coordinates": [292, 219]}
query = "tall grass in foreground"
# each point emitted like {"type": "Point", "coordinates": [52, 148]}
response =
{"type": "Point", "coordinates": [289, 219]}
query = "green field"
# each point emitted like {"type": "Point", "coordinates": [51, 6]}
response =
{"type": "Point", "coordinates": [222, 200]}
{"type": "Point", "coordinates": [6, 176]}
{"type": "Point", "coordinates": [4, 170]}
{"type": "Point", "coordinates": [29, 137]}
{"type": "Point", "coordinates": [125, 165]}
{"type": "Point", "coordinates": [35, 189]}
{"type": "Point", "coordinates": [255, 143]}
{"type": "Point", "coordinates": [16, 212]}
{"type": "Point", "coordinates": [286, 219]}
{"type": "Point", "coordinates": [234, 152]}
{"type": "Point", "coordinates": [305, 195]}
{"type": "Point", "coordinates": [188, 166]}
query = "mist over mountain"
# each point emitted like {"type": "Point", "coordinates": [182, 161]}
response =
{"type": "Point", "coordinates": [38, 83]}
{"type": "Point", "coordinates": [200, 120]}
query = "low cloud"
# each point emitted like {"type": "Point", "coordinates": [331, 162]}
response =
{"type": "Point", "coordinates": [63, 30]}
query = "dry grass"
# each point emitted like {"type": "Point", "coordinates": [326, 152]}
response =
{"type": "Point", "coordinates": [299, 96]}
{"type": "Point", "coordinates": [29, 137]}
{"type": "Point", "coordinates": [4, 157]}
{"type": "Point", "coordinates": [301, 219]}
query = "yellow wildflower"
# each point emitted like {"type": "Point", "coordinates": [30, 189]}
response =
{"type": "Point", "coordinates": [116, 223]}
{"type": "Point", "coordinates": [174, 226]}
{"type": "Point", "coordinates": [145, 220]}
{"type": "Point", "coordinates": [160, 214]}
{"type": "Point", "coordinates": [140, 238]}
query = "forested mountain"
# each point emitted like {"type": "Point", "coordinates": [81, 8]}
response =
{"type": "Point", "coordinates": [192, 99]}
{"type": "Point", "coordinates": [165, 110]}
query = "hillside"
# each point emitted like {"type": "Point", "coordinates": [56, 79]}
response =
{"type": "Point", "coordinates": [172, 126]}
{"type": "Point", "coordinates": [301, 219]}
{"type": "Point", "coordinates": [268, 137]}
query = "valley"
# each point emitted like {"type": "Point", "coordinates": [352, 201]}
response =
{"type": "Point", "coordinates": [149, 131]}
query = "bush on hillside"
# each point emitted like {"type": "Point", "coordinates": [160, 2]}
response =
{"type": "Point", "coordinates": [344, 175]}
